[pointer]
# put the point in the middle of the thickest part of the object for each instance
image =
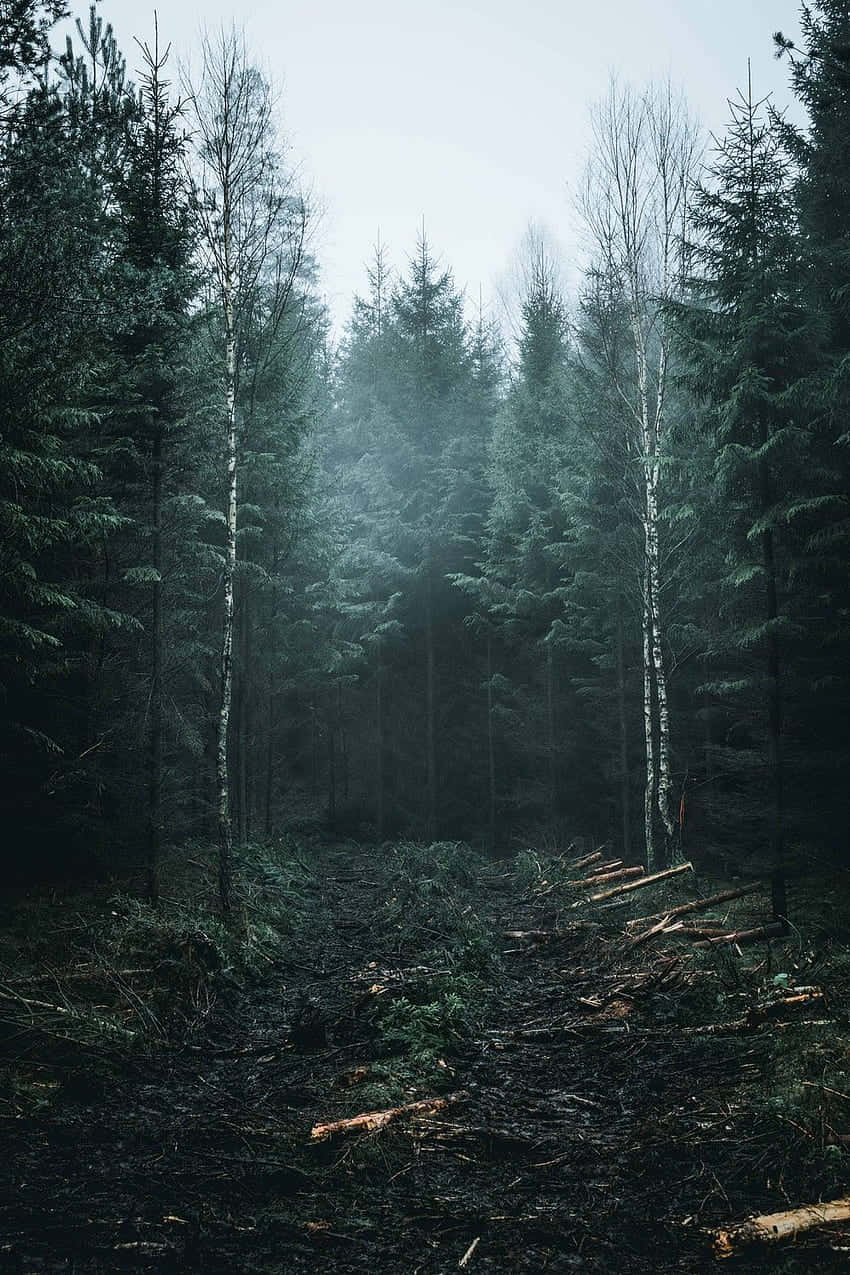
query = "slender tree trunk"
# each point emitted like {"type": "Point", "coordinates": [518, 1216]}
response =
{"type": "Point", "coordinates": [243, 721]}
{"type": "Point", "coordinates": [314, 741]}
{"type": "Point", "coordinates": [648, 721]}
{"type": "Point", "coordinates": [774, 713]}
{"type": "Point", "coordinates": [430, 711]}
{"type": "Point", "coordinates": [622, 721]}
{"type": "Point", "coordinates": [491, 749]}
{"type": "Point", "coordinates": [343, 742]}
{"type": "Point", "coordinates": [550, 733]}
{"type": "Point", "coordinates": [331, 768]}
{"type": "Point", "coordinates": [225, 828]}
{"type": "Point", "coordinates": [155, 735]}
{"type": "Point", "coordinates": [665, 780]}
{"type": "Point", "coordinates": [269, 776]}
{"type": "Point", "coordinates": [379, 715]}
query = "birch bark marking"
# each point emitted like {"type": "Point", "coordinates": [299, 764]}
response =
{"type": "Point", "coordinates": [241, 207]}
{"type": "Point", "coordinates": [634, 202]}
{"type": "Point", "coordinates": [225, 826]}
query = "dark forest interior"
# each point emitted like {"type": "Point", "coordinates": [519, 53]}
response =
{"type": "Point", "coordinates": [355, 685]}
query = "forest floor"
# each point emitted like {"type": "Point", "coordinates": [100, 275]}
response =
{"type": "Point", "coordinates": [606, 1104]}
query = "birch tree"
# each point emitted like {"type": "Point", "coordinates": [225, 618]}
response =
{"type": "Point", "coordinates": [252, 226]}
{"type": "Point", "coordinates": [634, 203]}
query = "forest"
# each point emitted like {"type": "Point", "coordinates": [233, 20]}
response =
{"type": "Point", "coordinates": [333, 662]}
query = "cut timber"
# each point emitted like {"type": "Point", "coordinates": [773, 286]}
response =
{"type": "Point", "coordinates": [369, 1121]}
{"type": "Point", "coordinates": [806, 999]}
{"type": "Point", "coordinates": [587, 860]}
{"type": "Point", "coordinates": [699, 905]}
{"type": "Point", "coordinates": [770, 1227]}
{"type": "Point", "coordinates": [639, 884]}
{"type": "Point", "coordinates": [660, 927]}
{"type": "Point", "coordinates": [601, 868]}
{"type": "Point", "coordinates": [773, 931]}
{"type": "Point", "coordinates": [605, 878]}
{"type": "Point", "coordinates": [707, 931]}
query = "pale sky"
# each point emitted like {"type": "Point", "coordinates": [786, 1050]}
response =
{"type": "Point", "coordinates": [470, 113]}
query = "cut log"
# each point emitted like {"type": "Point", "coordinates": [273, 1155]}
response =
{"type": "Point", "coordinates": [605, 878]}
{"type": "Point", "coordinates": [772, 1227]}
{"type": "Point", "coordinates": [586, 861]}
{"type": "Point", "coordinates": [699, 905]}
{"type": "Point", "coordinates": [696, 931]}
{"type": "Point", "coordinates": [812, 998]}
{"type": "Point", "coordinates": [660, 927]}
{"type": "Point", "coordinates": [773, 931]}
{"type": "Point", "coordinates": [639, 884]}
{"type": "Point", "coordinates": [610, 866]}
{"type": "Point", "coordinates": [369, 1121]}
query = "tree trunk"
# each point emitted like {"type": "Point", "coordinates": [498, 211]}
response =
{"type": "Point", "coordinates": [550, 734]}
{"type": "Point", "coordinates": [491, 750]}
{"type": "Point", "coordinates": [430, 709]}
{"type": "Point", "coordinates": [379, 716]}
{"type": "Point", "coordinates": [625, 778]}
{"type": "Point", "coordinates": [269, 777]}
{"type": "Point", "coordinates": [343, 743]}
{"type": "Point", "coordinates": [154, 849]}
{"type": "Point", "coordinates": [242, 770]}
{"type": "Point", "coordinates": [314, 747]}
{"type": "Point", "coordinates": [225, 828]}
{"type": "Point", "coordinates": [648, 720]}
{"type": "Point", "coordinates": [774, 712]}
{"type": "Point", "coordinates": [331, 734]}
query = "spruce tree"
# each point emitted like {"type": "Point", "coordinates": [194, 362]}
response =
{"type": "Point", "coordinates": [745, 334]}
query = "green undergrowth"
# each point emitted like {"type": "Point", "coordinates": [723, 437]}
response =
{"type": "Point", "coordinates": [91, 980]}
{"type": "Point", "coordinates": [432, 905]}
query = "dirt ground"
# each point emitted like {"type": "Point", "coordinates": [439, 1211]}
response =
{"type": "Point", "coordinates": [608, 1104]}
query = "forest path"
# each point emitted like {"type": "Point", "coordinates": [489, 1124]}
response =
{"type": "Point", "coordinates": [593, 1128]}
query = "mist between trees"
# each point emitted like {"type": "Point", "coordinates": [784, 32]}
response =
{"type": "Point", "coordinates": [587, 577]}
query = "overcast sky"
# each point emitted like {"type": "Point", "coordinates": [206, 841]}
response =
{"type": "Point", "coordinates": [469, 113]}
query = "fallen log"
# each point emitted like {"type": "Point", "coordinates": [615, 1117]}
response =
{"type": "Point", "coordinates": [769, 1228]}
{"type": "Point", "coordinates": [806, 999]}
{"type": "Point", "coordinates": [610, 866]}
{"type": "Point", "coordinates": [641, 882]}
{"type": "Point", "coordinates": [699, 905]}
{"type": "Point", "coordinates": [659, 928]}
{"type": "Point", "coordinates": [369, 1121]}
{"type": "Point", "coordinates": [605, 878]}
{"type": "Point", "coordinates": [696, 931]}
{"type": "Point", "coordinates": [773, 931]}
{"type": "Point", "coordinates": [587, 859]}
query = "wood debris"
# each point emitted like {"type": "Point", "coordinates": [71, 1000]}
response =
{"type": "Point", "coordinates": [773, 931]}
{"type": "Point", "coordinates": [699, 905]}
{"type": "Point", "coordinates": [772, 1227]}
{"type": "Point", "coordinates": [369, 1121]}
{"type": "Point", "coordinates": [641, 882]}
{"type": "Point", "coordinates": [618, 874]}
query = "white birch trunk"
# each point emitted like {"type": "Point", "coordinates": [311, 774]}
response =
{"type": "Point", "coordinates": [636, 205]}
{"type": "Point", "coordinates": [648, 720]}
{"type": "Point", "coordinates": [225, 827]}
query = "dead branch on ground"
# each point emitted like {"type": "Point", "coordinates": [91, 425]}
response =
{"type": "Point", "coordinates": [772, 1227]}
